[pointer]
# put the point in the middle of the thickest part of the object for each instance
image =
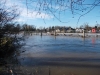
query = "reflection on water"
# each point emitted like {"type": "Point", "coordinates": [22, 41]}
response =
{"type": "Point", "coordinates": [61, 55]}
{"type": "Point", "coordinates": [51, 44]}
{"type": "Point", "coordinates": [93, 41]}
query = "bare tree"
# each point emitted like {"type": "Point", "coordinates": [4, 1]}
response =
{"type": "Point", "coordinates": [7, 14]}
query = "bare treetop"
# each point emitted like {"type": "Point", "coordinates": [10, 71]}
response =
{"type": "Point", "coordinates": [7, 14]}
{"type": "Point", "coordinates": [76, 7]}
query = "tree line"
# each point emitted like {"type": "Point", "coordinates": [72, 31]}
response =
{"type": "Point", "coordinates": [26, 27]}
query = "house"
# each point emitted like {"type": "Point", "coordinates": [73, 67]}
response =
{"type": "Point", "coordinates": [70, 30]}
{"type": "Point", "coordinates": [61, 30]}
{"type": "Point", "coordinates": [79, 30]}
{"type": "Point", "coordinates": [65, 30]}
{"type": "Point", "coordinates": [93, 30]}
{"type": "Point", "coordinates": [57, 30]}
{"type": "Point", "coordinates": [89, 31]}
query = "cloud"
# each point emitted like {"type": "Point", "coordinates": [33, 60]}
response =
{"type": "Point", "coordinates": [30, 14]}
{"type": "Point", "coordinates": [27, 13]}
{"type": "Point", "coordinates": [20, 20]}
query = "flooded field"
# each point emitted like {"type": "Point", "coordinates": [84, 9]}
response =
{"type": "Point", "coordinates": [61, 55]}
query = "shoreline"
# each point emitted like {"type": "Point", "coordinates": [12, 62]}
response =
{"type": "Point", "coordinates": [70, 34]}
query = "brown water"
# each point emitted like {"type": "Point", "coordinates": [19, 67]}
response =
{"type": "Point", "coordinates": [60, 70]}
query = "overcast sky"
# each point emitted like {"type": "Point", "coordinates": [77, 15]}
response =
{"type": "Point", "coordinates": [32, 17]}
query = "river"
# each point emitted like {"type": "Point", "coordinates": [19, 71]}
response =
{"type": "Point", "coordinates": [60, 55]}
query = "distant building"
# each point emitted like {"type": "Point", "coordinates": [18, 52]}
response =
{"type": "Point", "coordinates": [58, 30]}
{"type": "Point", "coordinates": [79, 30]}
{"type": "Point", "coordinates": [65, 30]}
{"type": "Point", "coordinates": [89, 31]}
{"type": "Point", "coordinates": [93, 30]}
{"type": "Point", "coordinates": [70, 30]}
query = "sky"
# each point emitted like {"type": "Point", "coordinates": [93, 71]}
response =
{"type": "Point", "coordinates": [29, 14]}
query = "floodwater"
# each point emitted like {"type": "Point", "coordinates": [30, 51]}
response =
{"type": "Point", "coordinates": [60, 55]}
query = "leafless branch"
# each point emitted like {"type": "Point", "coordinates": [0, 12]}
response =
{"type": "Point", "coordinates": [7, 14]}
{"type": "Point", "coordinates": [82, 7]}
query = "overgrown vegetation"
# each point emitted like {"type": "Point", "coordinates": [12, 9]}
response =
{"type": "Point", "coordinates": [9, 41]}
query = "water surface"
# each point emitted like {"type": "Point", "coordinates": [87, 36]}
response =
{"type": "Point", "coordinates": [62, 55]}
